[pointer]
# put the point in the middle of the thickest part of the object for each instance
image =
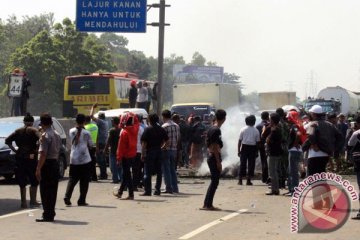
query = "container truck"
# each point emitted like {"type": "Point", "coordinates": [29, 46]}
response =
{"type": "Point", "coordinates": [336, 100]}
{"type": "Point", "coordinates": [270, 101]}
{"type": "Point", "coordinates": [202, 99]}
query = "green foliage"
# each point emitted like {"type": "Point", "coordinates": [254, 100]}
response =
{"type": "Point", "coordinates": [48, 52]}
{"type": "Point", "coordinates": [198, 59]}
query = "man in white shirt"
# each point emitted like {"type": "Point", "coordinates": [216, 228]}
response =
{"type": "Point", "coordinates": [249, 141]}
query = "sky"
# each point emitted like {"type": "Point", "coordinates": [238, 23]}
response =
{"type": "Point", "coordinates": [274, 45]}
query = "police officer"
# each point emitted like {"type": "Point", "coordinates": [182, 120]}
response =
{"type": "Point", "coordinates": [26, 139]}
{"type": "Point", "coordinates": [47, 171]}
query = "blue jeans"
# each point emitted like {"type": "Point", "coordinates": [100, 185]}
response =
{"type": "Point", "coordinates": [169, 170]}
{"type": "Point", "coordinates": [293, 169]}
{"type": "Point", "coordinates": [116, 169]}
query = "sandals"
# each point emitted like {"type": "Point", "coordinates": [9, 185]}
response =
{"type": "Point", "coordinates": [212, 208]}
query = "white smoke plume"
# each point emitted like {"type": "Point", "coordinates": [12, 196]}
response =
{"type": "Point", "coordinates": [230, 131]}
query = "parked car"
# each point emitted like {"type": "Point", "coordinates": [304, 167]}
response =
{"type": "Point", "coordinates": [118, 111]}
{"type": "Point", "coordinates": [7, 157]}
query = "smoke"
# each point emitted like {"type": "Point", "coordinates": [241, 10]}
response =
{"type": "Point", "coordinates": [230, 131]}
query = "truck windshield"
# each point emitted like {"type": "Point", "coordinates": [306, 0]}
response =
{"type": "Point", "coordinates": [326, 106]}
{"type": "Point", "coordinates": [187, 110]}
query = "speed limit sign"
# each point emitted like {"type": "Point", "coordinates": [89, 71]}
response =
{"type": "Point", "coordinates": [15, 86]}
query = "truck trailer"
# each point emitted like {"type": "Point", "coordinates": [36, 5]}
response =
{"type": "Point", "coordinates": [336, 100]}
{"type": "Point", "coordinates": [210, 96]}
{"type": "Point", "coordinates": [273, 100]}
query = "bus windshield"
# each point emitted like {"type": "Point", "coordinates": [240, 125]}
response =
{"type": "Point", "coordinates": [89, 85]}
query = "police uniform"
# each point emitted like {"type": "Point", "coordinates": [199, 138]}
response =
{"type": "Point", "coordinates": [50, 144]}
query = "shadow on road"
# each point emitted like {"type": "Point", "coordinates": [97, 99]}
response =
{"type": "Point", "coordinates": [99, 206]}
{"type": "Point", "coordinates": [9, 206]}
{"type": "Point", "coordinates": [148, 200]}
{"type": "Point", "coordinates": [66, 222]}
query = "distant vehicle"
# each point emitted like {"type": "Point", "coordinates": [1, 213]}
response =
{"type": "Point", "coordinates": [202, 99]}
{"type": "Point", "coordinates": [328, 106]}
{"type": "Point", "coordinates": [274, 100]}
{"type": "Point", "coordinates": [109, 90]}
{"type": "Point", "coordinates": [194, 109]}
{"type": "Point", "coordinates": [336, 100]}
{"type": "Point", "coordinates": [7, 157]}
{"type": "Point", "coordinates": [117, 112]}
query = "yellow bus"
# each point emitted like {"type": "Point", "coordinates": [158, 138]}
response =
{"type": "Point", "coordinates": [109, 90]}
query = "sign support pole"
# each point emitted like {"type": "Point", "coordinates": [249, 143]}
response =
{"type": "Point", "coordinates": [161, 24]}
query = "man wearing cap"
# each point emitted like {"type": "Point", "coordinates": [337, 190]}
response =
{"type": "Point", "coordinates": [323, 140]}
{"type": "Point", "coordinates": [26, 139]}
{"type": "Point", "coordinates": [132, 93]}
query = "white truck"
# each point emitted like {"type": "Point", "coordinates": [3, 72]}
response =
{"type": "Point", "coordinates": [336, 100]}
{"type": "Point", "coordinates": [270, 101]}
{"type": "Point", "coordinates": [201, 99]}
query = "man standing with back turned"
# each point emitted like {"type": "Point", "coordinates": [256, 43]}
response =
{"type": "Point", "coordinates": [214, 145]}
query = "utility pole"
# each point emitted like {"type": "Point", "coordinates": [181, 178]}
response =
{"type": "Point", "coordinates": [161, 24]}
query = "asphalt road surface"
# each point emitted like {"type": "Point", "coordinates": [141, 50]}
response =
{"type": "Point", "coordinates": [246, 214]}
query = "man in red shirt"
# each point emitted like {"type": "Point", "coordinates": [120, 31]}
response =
{"type": "Point", "coordinates": [126, 151]}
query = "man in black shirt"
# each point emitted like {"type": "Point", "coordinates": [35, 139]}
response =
{"type": "Point", "coordinates": [26, 138]}
{"type": "Point", "coordinates": [260, 127]}
{"type": "Point", "coordinates": [153, 140]}
{"type": "Point", "coordinates": [214, 145]}
{"type": "Point", "coordinates": [273, 137]}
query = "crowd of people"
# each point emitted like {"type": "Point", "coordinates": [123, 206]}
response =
{"type": "Point", "coordinates": [289, 145]}
{"type": "Point", "coordinates": [293, 146]}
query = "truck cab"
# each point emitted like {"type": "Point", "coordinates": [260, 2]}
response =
{"type": "Point", "coordinates": [186, 109]}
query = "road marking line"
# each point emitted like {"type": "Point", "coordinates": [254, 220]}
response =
{"type": "Point", "coordinates": [211, 224]}
{"type": "Point", "coordinates": [17, 213]}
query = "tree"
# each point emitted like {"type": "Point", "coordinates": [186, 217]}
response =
{"type": "Point", "coordinates": [116, 46]}
{"type": "Point", "coordinates": [40, 59]}
{"type": "Point", "coordinates": [198, 59]}
{"type": "Point", "coordinates": [137, 63]}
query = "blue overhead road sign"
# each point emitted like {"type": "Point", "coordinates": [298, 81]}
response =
{"type": "Point", "coordinates": [111, 15]}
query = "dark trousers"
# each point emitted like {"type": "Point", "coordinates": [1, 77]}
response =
{"type": "Point", "coordinates": [152, 166]}
{"type": "Point", "coordinates": [127, 177]}
{"type": "Point", "coordinates": [264, 164]}
{"type": "Point", "coordinates": [215, 176]}
{"type": "Point", "coordinates": [25, 172]}
{"type": "Point", "coordinates": [48, 187]}
{"type": "Point", "coordinates": [247, 159]}
{"type": "Point", "coordinates": [92, 152]}
{"type": "Point", "coordinates": [137, 167]}
{"type": "Point", "coordinates": [317, 165]}
{"type": "Point", "coordinates": [101, 161]}
{"type": "Point", "coordinates": [79, 173]}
